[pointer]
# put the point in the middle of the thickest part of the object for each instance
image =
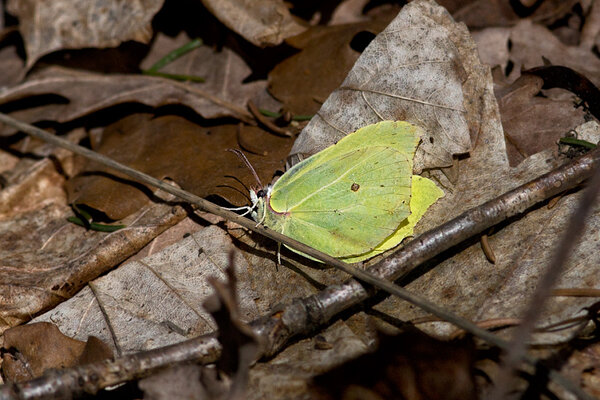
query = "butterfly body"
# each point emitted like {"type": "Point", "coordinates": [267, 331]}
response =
{"type": "Point", "coordinates": [349, 198]}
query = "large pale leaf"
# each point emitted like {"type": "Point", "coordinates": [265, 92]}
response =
{"type": "Point", "coordinates": [261, 22]}
{"type": "Point", "coordinates": [48, 26]}
{"type": "Point", "coordinates": [412, 71]}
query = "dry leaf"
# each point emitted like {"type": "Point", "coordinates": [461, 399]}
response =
{"type": "Point", "coordinates": [43, 258]}
{"type": "Point", "coordinates": [486, 13]}
{"type": "Point", "coordinates": [224, 71]}
{"type": "Point", "coordinates": [583, 367]}
{"type": "Point", "coordinates": [171, 147]}
{"type": "Point", "coordinates": [11, 66]}
{"type": "Point", "coordinates": [158, 300]}
{"type": "Point", "coordinates": [411, 365]}
{"type": "Point", "coordinates": [190, 382]}
{"type": "Point", "coordinates": [531, 123]}
{"type": "Point", "coordinates": [303, 81]}
{"type": "Point", "coordinates": [412, 71]}
{"type": "Point", "coordinates": [32, 349]}
{"type": "Point", "coordinates": [239, 342]}
{"type": "Point", "coordinates": [348, 11]}
{"type": "Point", "coordinates": [47, 26]}
{"type": "Point", "coordinates": [89, 92]}
{"type": "Point", "coordinates": [530, 42]}
{"type": "Point", "coordinates": [466, 282]}
{"type": "Point", "coordinates": [289, 374]}
{"type": "Point", "coordinates": [261, 22]}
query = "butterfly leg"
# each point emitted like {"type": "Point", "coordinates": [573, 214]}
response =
{"type": "Point", "coordinates": [278, 254]}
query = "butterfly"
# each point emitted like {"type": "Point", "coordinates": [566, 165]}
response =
{"type": "Point", "coordinates": [354, 199]}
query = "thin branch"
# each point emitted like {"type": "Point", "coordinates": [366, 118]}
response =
{"type": "Point", "coordinates": [543, 291]}
{"type": "Point", "coordinates": [89, 378]}
{"type": "Point", "coordinates": [305, 315]}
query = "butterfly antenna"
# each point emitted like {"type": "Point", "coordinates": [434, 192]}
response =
{"type": "Point", "coordinates": [242, 157]}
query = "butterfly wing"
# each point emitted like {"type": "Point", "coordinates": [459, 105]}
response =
{"type": "Point", "coordinates": [347, 199]}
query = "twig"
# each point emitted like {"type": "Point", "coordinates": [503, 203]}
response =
{"type": "Point", "coordinates": [543, 290]}
{"type": "Point", "coordinates": [89, 378]}
{"type": "Point", "coordinates": [267, 122]}
{"type": "Point", "coordinates": [305, 315]}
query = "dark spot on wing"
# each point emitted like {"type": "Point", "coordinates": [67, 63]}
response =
{"type": "Point", "coordinates": [431, 139]}
{"type": "Point", "coordinates": [355, 186]}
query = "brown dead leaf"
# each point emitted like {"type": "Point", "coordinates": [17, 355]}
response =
{"type": "Point", "coordinates": [348, 12]}
{"type": "Point", "coordinates": [261, 22]}
{"type": "Point", "coordinates": [190, 382]}
{"type": "Point", "coordinates": [224, 71]}
{"type": "Point", "coordinates": [583, 366]}
{"type": "Point", "coordinates": [157, 301]}
{"type": "Point", "coordinates": [43, 258]}
{"type": "Point", "coordinates": [90, 92]}
{"type": "Point", "coordinates": [31, 185]}
{"type": "Point", "coordinates": [47, 26]}
{"type": "Point", "coordinates": [30, 350]}
{"type": "Point", "coordinates": [11, 66]}
{"type": "Point", "coordinates": [531, 123]}
{"type": "Point", "coordinates": [530, 42]}
{"type": "Point", "coordinates": [171, 147]}
{"type": "Point", "coordinates": [240, 343]}
{"type": "Point", "coordinates": [486, 13]}
{"type": "Point", "coordinates": [303, 81]}
{"type": "Point", "coordinates": [591, 29]}
{"type": "Point", "coordinates": [411, 365]}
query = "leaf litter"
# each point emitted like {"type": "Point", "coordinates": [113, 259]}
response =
{"type": "Point", "coordinates": [463, 281]}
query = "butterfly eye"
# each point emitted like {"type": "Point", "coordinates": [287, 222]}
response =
{"type": "Point", "coordinates": [261, 193]}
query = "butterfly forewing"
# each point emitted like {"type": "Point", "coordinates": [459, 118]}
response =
{"type": "Point", "coordinates": [357, 210]}
{"type": "Point", "coordinates": [348, 198]}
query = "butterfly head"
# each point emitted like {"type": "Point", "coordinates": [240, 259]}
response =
{"type": "Point", "coordinates": [260, 197]}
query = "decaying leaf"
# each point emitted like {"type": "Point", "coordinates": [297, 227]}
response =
{"type": "Point", "coordinates": [191, 382]}
{"type": "Point", "coordinates": [303, 81]}
{"type": "Point", "coordinates": [239, 351]}
{"type": "Point", "coordinates": [171, 147]}
{"type": "Point", "coordinates": [486, 13]}
{"type": "Point", "coordinates": [43, 258]}
{"type": "Point", "coordinates": [157, 301]}
{"type": "Point", "coordinates": [11, 66]}
{"type": "Point", "coordinates": [47, 26]}
{"type": "Point", "coordinates": [261, 22]}
{"type": "Point", "coordinates": [223, 71]}
{"type": "Point", "coordinates": [583, 366]}
{"type": "Point", "coordinates": [529, 42]}
{"type": "Point", "coordinates": [533, 123]}
{"type": "Point", "coordinates": [410, 365]}
{"type": "Point", "coordinates": [412, 71]}
{"type": "Point", "coordinates": [30, 350]}
{"type": "Point", "coordinates": [240, 343]}
{"type": "Point", "coordinates": [89, 92]}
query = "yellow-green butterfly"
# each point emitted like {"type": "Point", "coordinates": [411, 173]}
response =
{"type": "Point", "coordinates": [352, 200]}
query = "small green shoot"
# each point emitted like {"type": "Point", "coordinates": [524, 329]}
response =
{"type": "Point", "coordinates": [172, 56]}
{"type": "Point", "coordinates": [571, 141]}
{"type": "Point", "coordinates": [272, 114]}
{"type": "Point", "coordinates": [83, 218]}
{"type": "Point", "coordinates": [94, 225]}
